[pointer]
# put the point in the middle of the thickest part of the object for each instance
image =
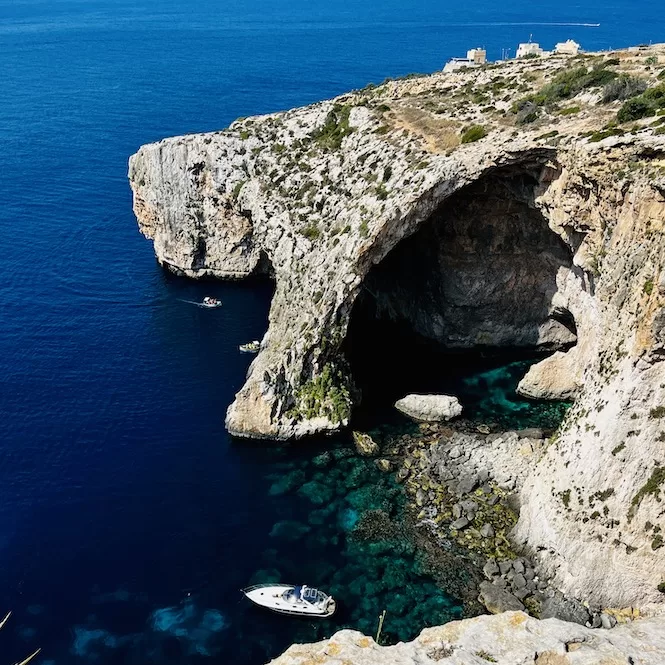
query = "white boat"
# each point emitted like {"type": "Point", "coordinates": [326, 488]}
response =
{"type": "Point", "coordinates": [294, 600]}
{"type": "Point", "coordinates": [250, 347]}
{"type": "Point", "coordinates": [209, 301]}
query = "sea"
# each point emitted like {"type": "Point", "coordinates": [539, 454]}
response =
{"type": "Point", "coordinates": [129, 519]}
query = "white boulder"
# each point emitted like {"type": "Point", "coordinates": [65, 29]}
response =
{"type": "Point", "coordinates": [429, 408]}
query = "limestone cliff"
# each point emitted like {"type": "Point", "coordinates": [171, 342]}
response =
{"type": "Point", "coordinates": [505, 639]}
{"type": "Point", "coordinates": [499, 207]}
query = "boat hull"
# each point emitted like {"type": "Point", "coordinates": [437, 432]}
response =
{"type": "Point", "coordinates": [271, 597]}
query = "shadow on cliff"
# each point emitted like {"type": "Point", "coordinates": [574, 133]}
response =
{"type": "Point", "coordinates": [471, 289]}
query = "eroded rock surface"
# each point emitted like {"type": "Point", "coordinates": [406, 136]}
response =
{"type": "Point", "coordinates": [506, 639]}
{"type": "Point", "coordinates": [546, 233]}
{"type": "Point", "coordinates": [430, 408]}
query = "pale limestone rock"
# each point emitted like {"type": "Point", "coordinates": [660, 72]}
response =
{"type": "Point", "coordinates": [506, 639]}
{"type": "Point", "coordinates": [429, 408]}
{"type": "Point", "coordinates": [556, 377]}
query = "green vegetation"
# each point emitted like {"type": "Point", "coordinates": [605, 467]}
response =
{"type": "Point", "coordinates": [657, 412]}
{"type": "Point", "coordinates": [334, 129]}
{"type": "Point", "coordinates": [651, 487]}
{"type": "Point", "coordinates": [619, 448]}
{"type": "Point", "coordinates": [570, 110]}
{"type": "Point", "coordinates": [568, 84]}
{"type": "Point", "coordinates": [623, 87]}
{"type": "Point", "coordinates": [326, 395]}
{"type": "Point", "coordinates": [311, 232]}
{"type": "Point", "coordinates": [387, 173]}
{"type": "Point", "coordinates": [364, 230]}
{"type": "Point", "coordinates": [381, 192]}
{"type": "Point", "coordinates": [278, 148]}
{"type": "Point", "coordinates": [473, 133]}
{"type": "Point", "coordinates": [657, 542]}
{"type": "Point", "coordinates": [244, 134]}
{"type": "Point", "coordinates": [605, 133]}
{"type": "Point", "coordinates": [644, 105]}
{"type": "Point", "coordinates": [648, 287]}
{"type": "Point", "coordinates": [483, 654]}
{"type": "Point", "coordinates": [565, 498]}
{"type": "Point", "coordinates": [236, 190]}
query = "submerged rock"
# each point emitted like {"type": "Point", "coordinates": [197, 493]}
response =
{"type": "Point", "coordinates": [429, 408]}
{"type": "Point", "coordinates": [365, 445]}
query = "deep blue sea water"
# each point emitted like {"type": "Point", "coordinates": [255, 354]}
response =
{"type": "Point", "coordinates": [128, 518]}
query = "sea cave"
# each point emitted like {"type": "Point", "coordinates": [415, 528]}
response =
{"type": "Point", "coordinates": [470, 291]}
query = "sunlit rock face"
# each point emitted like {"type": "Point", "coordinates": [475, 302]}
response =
{"type": "Point", "coordinates": [540, 234]}
{"type": "Point", "coordinates": [505, 639]}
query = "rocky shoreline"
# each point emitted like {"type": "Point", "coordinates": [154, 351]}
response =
{"type": "Point", "coordinates": [463, 482]}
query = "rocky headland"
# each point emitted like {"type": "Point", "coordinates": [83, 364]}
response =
{"type": "Point", "coordinates": [520, 205]}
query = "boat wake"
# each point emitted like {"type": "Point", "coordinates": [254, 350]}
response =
{"type": "Point", "coordinates": [198, 304]}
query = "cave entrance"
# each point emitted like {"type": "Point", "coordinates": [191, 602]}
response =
{"type": "Point", "coordinates": [464, 304]}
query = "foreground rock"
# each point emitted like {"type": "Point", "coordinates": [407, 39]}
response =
{"type": "Point", "coordinates": [506, 639]}
{"type": "Point", "coordinates": [546, 233]}
{"type": "Point", "coordinates": [429, 408]}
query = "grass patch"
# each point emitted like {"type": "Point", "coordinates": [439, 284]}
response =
{"type": "Point", "coordinates": [570, 110]}
{"type": "Point", "coordinates": [473, 133]}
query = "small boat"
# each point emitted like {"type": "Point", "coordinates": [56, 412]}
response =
{"type": "Point", "coordinates": [250, 347]}
{"type": "Point", "coordinates": [209, 301]}
{"type": "Point", "coordinates": [293, 600]}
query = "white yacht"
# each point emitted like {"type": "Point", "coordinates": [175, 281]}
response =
{"type": "Point", "coordinates": [295, 600]}
{"type": "Point", "coordinates": [209, 301]}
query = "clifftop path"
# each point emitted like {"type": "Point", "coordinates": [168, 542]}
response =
{"type": "Point", "coordinates": [518, 204]}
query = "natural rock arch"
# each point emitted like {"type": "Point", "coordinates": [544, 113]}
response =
{"type": "Point", "coordinates": [480, 271]}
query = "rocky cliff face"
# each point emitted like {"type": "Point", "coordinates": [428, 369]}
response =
{"type": "Point", "coordinates": [505, 639]}
{"type": "Point", "coordinates": [548, 232]}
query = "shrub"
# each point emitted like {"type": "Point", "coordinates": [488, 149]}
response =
{"type": "Point", "coordinates": [571, 110]}
{"type": "Point", "coordinates": [634, 109]}
{"type": "Point", "coordinates": [657, 412]}
{"type": "Point", "coordinates": [647, 104]}
{"type": "Point", "coordinates": [387, 173]}
{"type": "Point", "coordinates": [474, 133]}
{"type": "Point", "coordinates": [648, 287]}
{"type": "Point", "coordinates": [311, 232]}
{"type": "Point", "coordinates": [623, 87]}
{"type": "Point", "coordinates": [334, 129]}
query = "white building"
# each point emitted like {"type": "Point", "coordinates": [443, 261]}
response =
{"type": "Point", "coordinates": [474, 58]}
{"type": "Point", "coordinates": [569, 47]}
{"type": "Point", "coordinates": [529, 49]}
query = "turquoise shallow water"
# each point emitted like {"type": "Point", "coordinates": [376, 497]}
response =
{"type": "Point", "coordinates": [128, 518]}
